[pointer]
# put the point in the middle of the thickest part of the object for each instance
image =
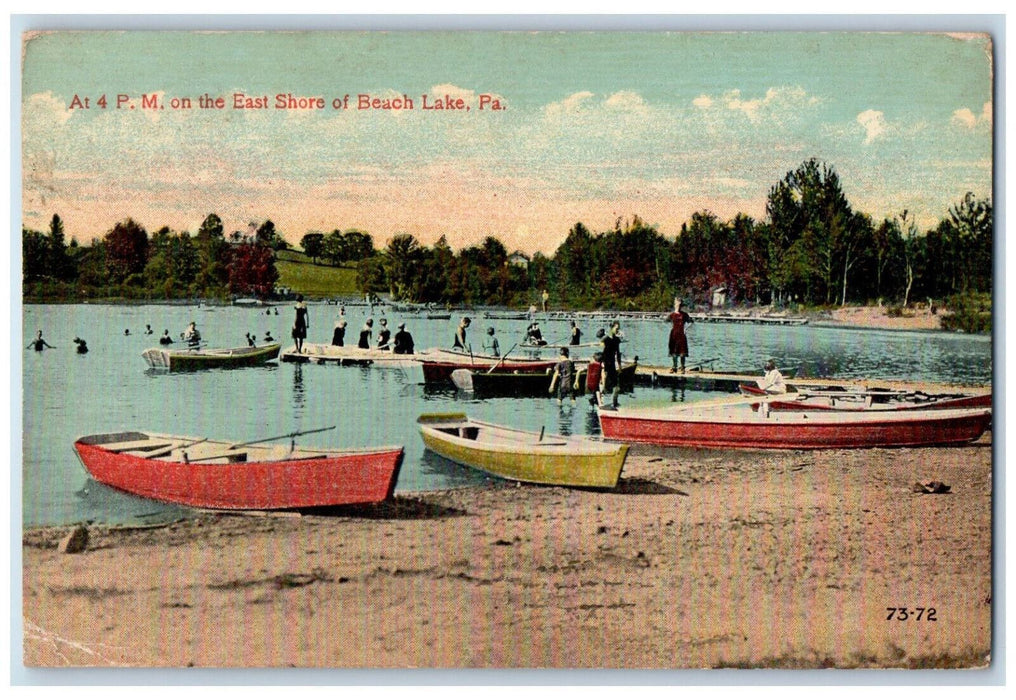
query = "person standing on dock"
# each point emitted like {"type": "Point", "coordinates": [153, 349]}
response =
{"type": "Point", "coordinates": [773, 382]}
{"type": "Point", "coordinates": [460, 334]}
{"type": "Point", "coordinates": [365, 333]}
{"type": "Point", "coordinates": [339, 333]}
{"type": "Point", "coordinates": [612, 362]}
{"type": "Point", "coordinates": [403, 341]}
{"type": "Point", "coordinates": [301, 324]}
{"type": "Point", "coordinates": [678, 342]}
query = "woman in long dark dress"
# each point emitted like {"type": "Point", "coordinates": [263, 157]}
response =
{"type": "Point", "coordinates": [301, 324]}
{"type": "Point", "coordinates": [678, 343]}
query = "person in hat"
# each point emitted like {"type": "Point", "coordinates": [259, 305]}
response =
{"type": "Point", "coordinates": [772, 382]}
{"type": "Point", "coordinates": [490, 344]}
{"type": "Point", "coordinates": [677, 345]}
{"type": "Point", "coordinates": [534, 336]}
{"type": "Point", "coordinates": [384, 336]}
{"type": "Point", "coordinates": [403, 341]}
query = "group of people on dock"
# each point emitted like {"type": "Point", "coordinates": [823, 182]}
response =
{"type": "Point", "coordinates": [401, 343]}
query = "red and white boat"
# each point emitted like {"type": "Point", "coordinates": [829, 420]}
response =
{"type": "Point", "coordinates": [740, 424]}
{"type": "Point", "coordinates": [245, 476]}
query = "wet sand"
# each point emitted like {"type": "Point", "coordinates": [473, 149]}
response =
{"type": "Point", "coordinates": [698, 559]}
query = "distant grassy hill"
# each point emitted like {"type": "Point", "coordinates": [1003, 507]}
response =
{"type": "Point", "coordinates": [314, 280]}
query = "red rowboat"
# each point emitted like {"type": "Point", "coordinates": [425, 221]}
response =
{"type": "Point", "coordinates": [865, 400]}
{"type": "Point", "coordinates": [438, 369]}
{"type": "Point", "coordinates": [246, 476]}
{"type": "Point", "coordinates": [737, 424]}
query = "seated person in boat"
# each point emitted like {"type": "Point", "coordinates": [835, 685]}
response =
{"type": "Point", "coordinates": [192, 335]}
{"type": "Point", "coordinates": [772, 382]}
{"type": "Point", "coordinates": [534, 336]}
{"type": "Point", "coordinates": [564, 377]}
{"type": "Point", "coordinates": [490, 344]}
{"type": "Point", "coordinates": [403, 341]}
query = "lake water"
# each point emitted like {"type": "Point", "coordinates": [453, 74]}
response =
{"type": "Point", "coordinates": [67, 395]}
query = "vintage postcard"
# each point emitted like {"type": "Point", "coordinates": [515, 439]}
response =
{"type": "Point", "coordinates": [507, 349]}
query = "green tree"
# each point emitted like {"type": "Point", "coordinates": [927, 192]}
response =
{"type": "Point", "coordinates": [313, 245]}
{"type": "Point", "coordinates": [59, 263]}
{"type": "Point", "coordinates": [358, 245]}
{"type": "Point", "coordinates": [34, 255]}
{"type": "Point", "coordinates": [333, 247]}
{"type": "Point", "coordinates": [401, 263]}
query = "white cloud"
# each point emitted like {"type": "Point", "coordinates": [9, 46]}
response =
{"type": "Point", "coordinates": [47, 108]}
{"type": "Point", "coordinates": [627, 101]}
{"type": "Point", "coordinates": [778, 103]}
{"type": "Point", "coordinates": [874, 124]}
{"type": "Point", "coordinates": [453, 91]}
{"type": "Point", "coordinates": [965, 118]}
{"type": "Point", "coordinates": [570, 104]}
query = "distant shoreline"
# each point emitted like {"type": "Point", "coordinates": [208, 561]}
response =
{"type": "Point", "coordinates": [848, 317]}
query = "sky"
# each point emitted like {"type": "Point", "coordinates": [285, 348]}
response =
{"type": "Point", "coordinates": [594, 127]}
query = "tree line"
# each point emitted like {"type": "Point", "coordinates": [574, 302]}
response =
{"type": "Point", "coordinates": [812, 248]}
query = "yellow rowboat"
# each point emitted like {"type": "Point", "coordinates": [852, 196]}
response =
{"type": "Point", "coordinates": [520, 455]}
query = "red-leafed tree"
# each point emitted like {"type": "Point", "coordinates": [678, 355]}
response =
{"type": "Point", "coordinates": [252, 270]}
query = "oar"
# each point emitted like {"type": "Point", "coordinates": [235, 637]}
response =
{"type": "Point", "coordinates": [502, 359]}
{"type": "Point", "coordinates": [702, 364]}
{"type": "Point", "coordinates": [280, 437]}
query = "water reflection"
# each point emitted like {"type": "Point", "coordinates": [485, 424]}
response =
{"type": "Point", "coordinates": [299, 391]}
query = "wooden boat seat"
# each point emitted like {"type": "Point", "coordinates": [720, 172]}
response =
{"type": "Point", "coordinates": [138, 446]}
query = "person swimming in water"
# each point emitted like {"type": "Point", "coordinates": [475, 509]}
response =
{"type": "Point", "coordinates": [38, 344]}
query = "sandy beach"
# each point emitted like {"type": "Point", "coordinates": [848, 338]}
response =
{"type": "Point", "coordinates": [877, 317]}
{"type": "Point", "coordinates": [698, 559]}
